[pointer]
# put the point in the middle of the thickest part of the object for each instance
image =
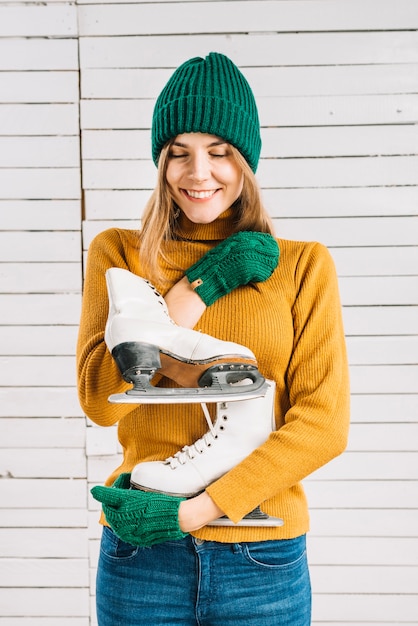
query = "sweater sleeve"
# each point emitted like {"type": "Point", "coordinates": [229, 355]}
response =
{"type": "Point", "coordinates": [316, 424]}
{"type": "Point", "coordinates": [97, 373]}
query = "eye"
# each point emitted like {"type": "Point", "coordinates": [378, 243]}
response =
{"type": "Point", "coordinates": [218, 155]}
{"type": "Point", "coordinates": [177, 155]}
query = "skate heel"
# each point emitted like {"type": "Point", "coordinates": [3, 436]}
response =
{"type": "Point", "coordinates": [137, 362]}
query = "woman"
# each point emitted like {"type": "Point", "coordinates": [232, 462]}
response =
{"type": "Point", "coordinates": [207, 245]}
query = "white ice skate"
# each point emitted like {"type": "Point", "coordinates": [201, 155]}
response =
{"type": "Point", "coordinates": [239, 428]}
{"type": "Point", "coordinates": [143, 339]}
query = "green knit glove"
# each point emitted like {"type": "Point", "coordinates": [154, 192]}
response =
{"type": "Point", "coordinates": [141, 518]}
{"type": "Point", "coordinates": [245, 257]}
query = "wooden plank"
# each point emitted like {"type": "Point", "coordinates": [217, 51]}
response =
{"type": "Point", "coordinates": [345, 202]}
{"type": "Point", "coordinates": [161, 18]}
{"type": "Point", "coordinates": [265, 81]}
{"type": "Point", "coordinates": [123, 144]}
{"type": "Point", "coordinates": [350, 261]}
{"type": "Point", "coordinates": [279, 48]}
{"type": "Point", "coordinates": [45, 602]}
{"type": "Point", "coordinates": [40, 309]}
{"type": "Point", "coordinates": [370, 466]}
{"type": "Point", "coordinates": [362, 494]}
{"type": "Point", "coordinates": [121, 113]}
{"type": "Point", "coordinates": [272, 173]}
{"type": "Point", "coordinates": [44, 543]}
{"type": "Point", "coordinates": [382, 351]}
{"type": "Point", "coordinates": [38, 54]}
{"type": "Point", "coordinates": [43, 518]}
{"type": "Point", "coordinates": [340, 141]}
{"type": "Point", "coordinates": [351, 231]}
{"type": "Point", "coordinates": [337, 172]}
{"type": "Point", "coordinates": [384, 378]}
{"type": "Point", "coordinates": [42, 494]}
{"type": "Point", "coordinates": [102, 441]}
{"type": "Point", "coordinates": [331, 231]}
{"type": "Point", "coordinates": [339, 80]}
{"type": "Point", "coordinates": [367, 523]}
{"type": "Point", "coordinates": [43, 463]}
{"type": "Point", "coordinates": [384, 438]}
{"type": "Point", "coordinates": [40, 215]}
{"type": "Point", "coordinates": [95, 534]}
{"type": "Point", "coordinates": [380, 320]}
{"type": "Point", "coordinates": [58, 246]}
{"type": "Point", "coordinates": [122, 174]}
{"type": "Point", "coordinates": [377, 609]}
{"type": "Point", "coordinates": [93, 228]}
{"type": "Point", "coordinates": [39, 119]}
{"type": "Point", "coordinates": [379, 290]}
{"type": "Point", "coordinates": [55, 278]}
{"type": "Point", "coordinates": [43, 573]}
{"type": "Point", "coordinates": [362, 551]}
{"type": "Point", "coordinates": [38, 183]}
{"type": "Point", "coordinates": [371, 408]}
{"type": "Point", "coordinates": [358, 623]}
{"type": "Point", "coordinates": [112, 204]}
{"type": "Point", "coordinates": [376, 261]}
{"type": "Point", "coordinates": [42, 433]}
{"type": "Point", "coordinates": [337, 109]}
{"type": "Point", "coordinates": [58, 371]}
{"type": "Point", "coordinates": [38, 21]}
{"type": "Point", "coordinates": [273, 111]}
{"type": "Point", "coordinates": [364, 580]}
{"type": "Point", "coordinates": [22, 340]}
{"type": "Point", "coordinates": [33, 87]}
{"type": "Point", "coordinates": [98, 469]}
{"type": "Point", "coordinates": [39, 402]}
{"type": "Point", "coordinates": [39, 152]}
{"type": "Point", "coordinates": [45, 621]}
{"type": "Point", "coordinates": [40, 277]}
{"type": "Point", "coordinates": [277, 142]}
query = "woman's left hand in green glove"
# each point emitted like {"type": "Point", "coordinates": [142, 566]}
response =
{"type": "Point", "coordinates": [141, 518]}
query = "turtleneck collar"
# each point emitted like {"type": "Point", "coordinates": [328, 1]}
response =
{"type": "Point", "coordinates": [220, 229]}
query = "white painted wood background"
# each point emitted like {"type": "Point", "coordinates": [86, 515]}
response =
{"type": "Point", "coordinates": [337, 87]}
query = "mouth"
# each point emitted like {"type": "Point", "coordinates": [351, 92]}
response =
{"type": "Point", "coordinates": [199, 195]}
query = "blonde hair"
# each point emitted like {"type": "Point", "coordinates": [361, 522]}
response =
{"type": "Point", "coordinates": [159, 218]}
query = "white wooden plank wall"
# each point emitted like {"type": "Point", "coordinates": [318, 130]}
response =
{"type": "Point", "coordinates": [44, 573]}
{"type": "Point", "coordinates": [337, 87]}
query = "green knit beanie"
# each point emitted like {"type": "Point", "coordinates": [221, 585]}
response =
{"type": "Point", "coordinates": [210, 96]}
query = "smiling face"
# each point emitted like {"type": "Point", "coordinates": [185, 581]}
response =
{"type": "Point", "coordinates": [203, 177]}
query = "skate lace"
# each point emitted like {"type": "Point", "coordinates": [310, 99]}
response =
{"type": "Point", "coordinates": [160, 301]}
{"type": "Point", "coordinates": [199, 446]}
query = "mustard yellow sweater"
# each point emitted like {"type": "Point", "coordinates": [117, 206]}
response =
{"type": "Point", "coordinates": [292, 323]}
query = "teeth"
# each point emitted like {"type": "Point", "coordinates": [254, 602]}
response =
{"type": "Point", "coordinates": [200, 194]}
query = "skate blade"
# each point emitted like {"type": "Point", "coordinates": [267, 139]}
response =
{"type": "Point", "coordinates": [255, 518]}
{"type": "Point", "coordinates": [192, 395]}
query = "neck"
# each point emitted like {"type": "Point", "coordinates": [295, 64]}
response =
{"type": "Point", "coordinates": [221, 228]}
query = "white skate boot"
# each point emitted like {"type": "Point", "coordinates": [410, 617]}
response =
{"type": "Point", "coordinates": [239, 428]}
{"type": "Point", "coordinates": [143, 339]}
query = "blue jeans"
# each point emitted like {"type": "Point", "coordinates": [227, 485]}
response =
{"type": "Point", "coordinates": [191, 582]}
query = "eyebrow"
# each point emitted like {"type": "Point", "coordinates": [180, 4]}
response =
{"type": "Point", "coordinates": [220, 142]}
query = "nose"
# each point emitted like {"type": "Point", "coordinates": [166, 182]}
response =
{"type": "Point", "coordinates": [199, 167]}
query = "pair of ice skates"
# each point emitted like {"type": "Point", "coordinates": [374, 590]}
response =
{"type": "Point", "coordinates": [143, 340]}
